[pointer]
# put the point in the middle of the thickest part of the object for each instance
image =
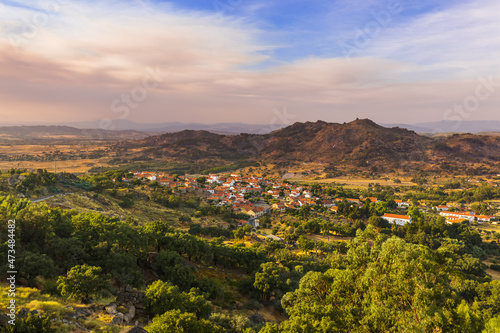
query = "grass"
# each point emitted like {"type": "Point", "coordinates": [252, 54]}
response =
{"type": "Point", "coordinates": [488, 227]}
{"type": "Point", "coordinates": [141, 211]}
{"type": "Point", "coordinates": [72, 166]}
{"type": "Point", "coordinates": [51, 307]}
{"type": "Point", "coordinates": [349, 182]}
{"type": "Point", "coordinates": [24, 296]}
{"type": "Point", "coordinates": [34, 299]}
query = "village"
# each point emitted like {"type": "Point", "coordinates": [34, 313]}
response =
{"type": "Point", "coordinates": [256, 197]}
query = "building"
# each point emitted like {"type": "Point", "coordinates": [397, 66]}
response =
{"type": "Point", "coordinates": [402, 204]}
{"type": "Point", "coordinates": [279, 206]}
{"type": "Point", "coordinates": [458, 215]}
{"type": "Point", "coordinates": [398, 219]}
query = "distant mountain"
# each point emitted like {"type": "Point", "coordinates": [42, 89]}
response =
{"type": "Point", "coordinates": [443, 126]}
{"type": "Point", "coordinates": [360, 143]}
{"type": "Point", "coordinates": [448, 126]}
{"type": "Point", "coordinates": [64, 133]}
{"type": "Point", "coordinates": [169, 127]}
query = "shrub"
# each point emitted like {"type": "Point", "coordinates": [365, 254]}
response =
{"type": "Point", "coordinates": [495, 267]}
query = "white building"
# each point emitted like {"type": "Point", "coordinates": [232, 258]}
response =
{"type": "Point", "coordinates": [398, 219]}
{"type": "Point", "coordinates": [402, 204]}
{"type": "Point", "coordinates": [458, 215]}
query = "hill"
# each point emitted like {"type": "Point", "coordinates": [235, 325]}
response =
{"type": "Point", "coordinates": [64, 133]}
{"type": "Point", "coordinates": [360, 143]}
{"type": "Point", "coordinates": [167, 127]}
{"type": "Point", "coordinates": [452, 126]}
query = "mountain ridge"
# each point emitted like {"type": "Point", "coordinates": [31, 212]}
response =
{"type": "Point", "coordinates": [361, 143]}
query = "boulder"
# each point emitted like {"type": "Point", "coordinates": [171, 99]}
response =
{"type": "Point", "coordinates": [111, 308]}
{"type": "Point", "coordinates": [130, 314]}
{"type": "Point", "coordinates": [83, 312]}
{"type": "Point", "coordinates": [136, 298]}
{"type": "Point", "coordinates": [23, 313]}
{"type": "Point", "coordinates": [118, 319]}
{"type": "Point", "coordinates": [131, 311]}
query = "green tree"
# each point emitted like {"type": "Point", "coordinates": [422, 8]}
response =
{"type": "Point", "coordinates": [415, 213]}
{"type": "Point", "coordinates": [171, 267]}
{"type": "Point", "coordinates": [392, 286]}
{"type": "Point", "coordinates": [241, 232]}
{"type": "Point", "coordinates": [163, 296]}
{"type": "Point", "coordinates": [82, 282]}
{"type": "Point", "coordinates": [32, 264]}
{"type": "Point", "coordinates": [305, 244]}
{"type": "Point", "coordinates": [378, 222]}
{"type": "Point", "coordinates": [175, 321]}
{"type": "Point", "coordinates": [271, 280]}
{"type": "Point", "coordinates": [380, 207]}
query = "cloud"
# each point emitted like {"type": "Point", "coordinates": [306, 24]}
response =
{"type": "Point", "coordinates": [87, 55]}
{"type": "Point", "coordinates": [460, 39]}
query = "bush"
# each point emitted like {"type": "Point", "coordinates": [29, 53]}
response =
{"type": "Point", "coordinates": [495, 267]}
{"type": "Point", "coordinates": [32, 323]}
{"type": "Point", "coordinates": [175, 321]}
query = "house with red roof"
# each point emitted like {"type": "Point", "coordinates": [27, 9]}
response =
{"type": "Point", "coordinates": [397, 219]}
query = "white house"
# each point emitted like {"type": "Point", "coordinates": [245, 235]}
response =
{"type": "Point", "coordinates": [402, 204]}
{"type": "Point", "coordinates": [458, 215]}
{"type": "Point", "coordinates": [398, 219]}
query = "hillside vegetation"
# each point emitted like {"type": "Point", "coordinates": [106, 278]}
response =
{"type": "Point", "coordinates": [104, 254]}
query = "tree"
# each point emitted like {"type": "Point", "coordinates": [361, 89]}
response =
{"type": "Point", "coordinates": [290, 239]}
{"type": "Point", "coordinates": [171, 267]}
{"type": "Point", "coordinates": [82, 282]}
{"type": "Point", "coordinates": [33, 264]}
{"type": "Point", "coordinates": [378, 222]}
{"type": "Point", "coordinates": [175, 321]}
{"type": "Point", "coordinates": [164, 296]}
{"type": "Point", "coordinates": [240, 232]}
{"type": "Point", "coordinates": [272, 279]}
{"type": "Point", "coordinates": [380, 207]}
{"type": "Point", "coordinates": [415, 213]}
{"type": "Point", "coordinates": [305, 244]}
{"type": "Point", "coordinates": [123, 268]}
{"type": "Point", "coordinates": [392, 286]}
{"type": "Point", "coordinates": [65, 252]}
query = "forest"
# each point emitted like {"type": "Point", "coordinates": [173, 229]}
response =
{"type": "Point", "coordinates": [427, 276]}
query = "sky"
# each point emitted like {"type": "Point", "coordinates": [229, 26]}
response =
{"type": "Point", "coordinates": [250, 61]}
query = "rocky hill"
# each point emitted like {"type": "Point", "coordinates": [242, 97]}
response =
{"type": "Point", "coordinates": [358, 143]}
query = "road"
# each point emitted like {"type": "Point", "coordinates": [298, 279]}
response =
{"type": "Point", "coordinates": [50, 196]}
